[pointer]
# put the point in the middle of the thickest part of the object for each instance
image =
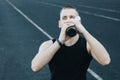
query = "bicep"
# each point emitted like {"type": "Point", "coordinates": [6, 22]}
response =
{"type": "Point", "coordinates": [36, 62]}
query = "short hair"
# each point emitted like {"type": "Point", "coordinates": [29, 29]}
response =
{"type": "Point", "coordinates": [69, 7]}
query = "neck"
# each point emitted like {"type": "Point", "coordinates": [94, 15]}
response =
{"type": "Point", "coordinates": [72, 40]}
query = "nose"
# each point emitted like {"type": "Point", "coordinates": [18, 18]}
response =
{"type": "Point", "coordinates": [68, 18]}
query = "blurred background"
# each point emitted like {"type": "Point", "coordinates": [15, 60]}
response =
{"type": "Point", "coordinates": [20, 39]}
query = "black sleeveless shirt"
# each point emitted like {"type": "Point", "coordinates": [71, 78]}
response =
{"type": "Point", "coordinates": [70, 62]}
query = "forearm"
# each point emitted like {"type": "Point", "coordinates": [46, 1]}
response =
{"type": "Point", "coordinates": [97, 49]}
{"type": "Point", "coordinates": [42, 58]}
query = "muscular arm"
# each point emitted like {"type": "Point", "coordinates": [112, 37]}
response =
{"type": "Point", "coordinates": [96, 49]}
{"type": "Point", "coordinates": [44, 55]}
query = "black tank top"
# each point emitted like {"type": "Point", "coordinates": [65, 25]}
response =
{"type": "Point", "coordinates": [70, 63]}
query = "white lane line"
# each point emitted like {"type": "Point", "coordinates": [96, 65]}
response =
{"type": "Point", "coordinates": [102, 9]}
{"type": "Point", "coordinates": [32, 22]}
{"type": "Point", "coordinates": [94, 74]}
{"type": "Point", "coordinates": [38, 27]}
{"type": "Point", "coordinates": [99, 15]}
{"type": "Point", "coordinates": [85, 12]}
{"type": "Point", "coordinates": [51, 4]}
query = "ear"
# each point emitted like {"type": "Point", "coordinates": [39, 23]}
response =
{"type": "Point", "coordinates": [59, 24]}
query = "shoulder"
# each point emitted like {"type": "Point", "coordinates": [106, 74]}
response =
{"type": "Point", "coordinates": [45, 45]}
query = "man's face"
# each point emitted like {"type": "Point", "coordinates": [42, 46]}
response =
{"type": "Point", "coordinates": [67, 14]}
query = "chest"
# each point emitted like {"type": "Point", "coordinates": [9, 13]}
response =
{"type": "Point", "coordinates": [74, 55]}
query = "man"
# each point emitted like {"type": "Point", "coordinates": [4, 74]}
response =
{"type": "Point", "coordinates": [69, 57]}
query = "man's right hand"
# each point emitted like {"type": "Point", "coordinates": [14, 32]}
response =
{"type": "Point", "coordinates": [64, 25]}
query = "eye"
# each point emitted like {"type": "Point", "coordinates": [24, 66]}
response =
{"type": "Point", "coordinates": [72, 17]}
{"type": "Point", "coordinates": [64, 17]}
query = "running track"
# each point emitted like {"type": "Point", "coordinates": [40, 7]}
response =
{"type": "Point", "coordinates": [24, 25]}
